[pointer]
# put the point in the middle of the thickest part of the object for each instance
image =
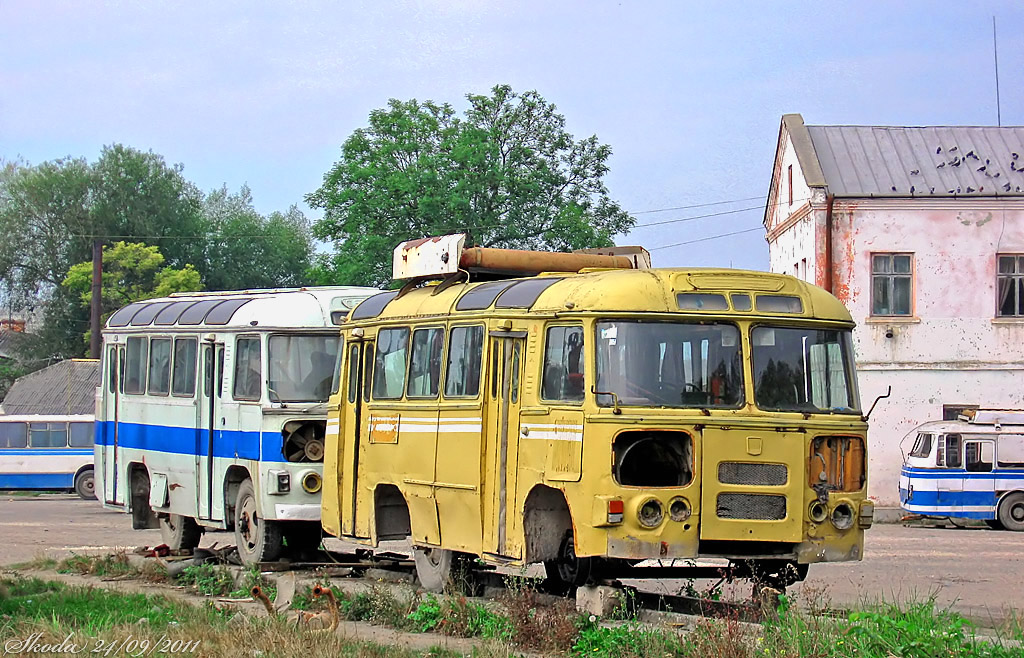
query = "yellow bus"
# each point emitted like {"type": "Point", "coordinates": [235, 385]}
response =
{"type": "Point", "coordinates": [596, 415]}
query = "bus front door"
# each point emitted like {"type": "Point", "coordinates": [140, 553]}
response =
{"type": "Point", "coordinates": [208, 433]}
{"type": "Point", "coordinates": [353, 433]}
{"type": "Point", "coordinates": [108, 429]}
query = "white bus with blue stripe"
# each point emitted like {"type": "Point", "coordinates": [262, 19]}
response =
{"type": "Point", "coordinates": [971, 468]}
{"type": "Point", "coordinates": [47, 453]}
{"type": "Point", "coordinates": [212, 412]}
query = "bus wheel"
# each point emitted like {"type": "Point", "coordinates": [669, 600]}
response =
{"type": "Point", "coordinates": [1011, 512]}
{"type": "Point", "coordinates": [180, 533]}
{"type": "Point", "coordinates": [994, 524]}
{"type": "Point", "coordinates": [568, 572]}
{"type": "Point", "coordinates": [435, 568]}
{"type": "Point", "coordinates": [258, 540]}
{"type": "Point", "coordinates": [85, 485]}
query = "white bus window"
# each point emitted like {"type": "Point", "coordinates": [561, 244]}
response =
{"type": "Point", "coordinates": [159, 366]}
{"type": "Point", "coordinates": [953, 451]}
{"type": "Point", "coordinates": [135, 365]}
{"type": "Point", "coordinates": [184, 377]}
{"type": "Point", "coordinates": [922, 446]}
{"type": "Point", "coordinates": [48, 435]}
{"type": "Point", "coordinates": [248, 369]}
{"type": "Point", "coordinates": [390, 362]}
{"type": "Point", "coordinates": [80, 435]}
{"type": "Point", "coordinates": [302, 367]}
{"type": "Point", "coordinates": [978, 456]}
{"type": "Point", "coordinates": [425, 366]}
{"type": "Point", "coordinates": [563, 365]}
{"type": "Point", "coordinates": [1010, 451]}
{"type": "Point", "coordinates": [13, 435]}
{"type": "Point", "coordinates": [465, 350]}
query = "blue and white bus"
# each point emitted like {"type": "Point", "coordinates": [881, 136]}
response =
{"type": "Point", "coordinates": [970, 468]}
{"type": "Point", "coordinates": [212, 412]}
{"type": "Point", "coordinates": [47, 453]}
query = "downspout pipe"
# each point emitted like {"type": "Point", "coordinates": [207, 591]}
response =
{"type": "Point", "coordinates": [829, 200]}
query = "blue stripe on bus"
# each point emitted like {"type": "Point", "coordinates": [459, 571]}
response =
{"type": "Point", "coordinates": [37, 480]}
{"type": "Point", "coordinates": [46, 452]}
{"type": "Point", "coordinates": [953, 473]}
{"type": "Point", "coordinates": [957, 498]}
{"type": "Point", "coordinates": [231, 444]}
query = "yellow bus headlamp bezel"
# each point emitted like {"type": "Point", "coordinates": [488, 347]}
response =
{"type": "Point", "coordinates": [311, 482]}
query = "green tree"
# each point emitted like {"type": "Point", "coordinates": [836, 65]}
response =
{"type": "Point", "coordinates": [247, 250]}
{"type": "Point", "coordinates": [132, 271]}
{"type": "Point", "coordinates": [508, 174]}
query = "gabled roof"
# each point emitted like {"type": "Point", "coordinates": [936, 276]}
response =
{"type": "Point", "coordinates": [912, 161]}
{"type": "Point", "coordinates": [68, 387]}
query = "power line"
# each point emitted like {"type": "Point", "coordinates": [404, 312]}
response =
{"type": "Point", "coordinates": [690, 219]}
{"type": "Point", "coordinates": [696, 205]}
{"type": "Point", "coordinates": [710, 237]}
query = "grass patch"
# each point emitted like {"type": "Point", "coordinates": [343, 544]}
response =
{"type": "Point", "coordinates": [111, 565]}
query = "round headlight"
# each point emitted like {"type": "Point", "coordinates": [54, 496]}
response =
{"type": "Point", "coordinates": [817, 512]}
{"type": "Point", "coordinates": [679, 509]}
{"type": "Point", "coordinates": [311, 482]}
{"type": "Point", "coordinates": [651, 514]}
{"type": "Point", "coordinates": [842, 516]}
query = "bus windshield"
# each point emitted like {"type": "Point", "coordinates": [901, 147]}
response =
{"type": "Point", "coordinates": [804, 369]}
{"type": "Point", "coordinates": [668, 364]}
{"type": "Point", "coordinates": [302, 367]}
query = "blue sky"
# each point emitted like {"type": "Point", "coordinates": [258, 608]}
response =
{"type": "Point", "coordinates": [689, 95]}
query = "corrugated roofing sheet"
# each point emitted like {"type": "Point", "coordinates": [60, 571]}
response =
{"type": "Point", "coordinates": [935, 161]}
{"type": "Point", "coordinates": [68, 387]}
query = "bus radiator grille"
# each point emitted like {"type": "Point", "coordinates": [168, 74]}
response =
{"type": "Point", "coordinates": [752, 474]}
{"type": "Point", "coordinates": [758, 507]}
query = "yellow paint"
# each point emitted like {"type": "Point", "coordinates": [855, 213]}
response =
{"type": "Point", "coordinates": [444, 455]}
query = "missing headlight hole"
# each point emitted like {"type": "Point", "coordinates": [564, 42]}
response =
{"type": "Point", "coordinates": [653, 459]}
{"type": "Point", "coordinates": [304, 440]}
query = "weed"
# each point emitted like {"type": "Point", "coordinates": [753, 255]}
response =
{"type": "Point", "coordinates": [111, 565]}
{"type": "Point", "coordinates": [208, 579]}
{"type": "Point", "coordinates": [625, 640]}
{"type": "Point", "coordinates": [253, 577]}
{"type": "Point", "coordinates": [453, 615]}
{"type": "Point", "coordinates": [536, 626]}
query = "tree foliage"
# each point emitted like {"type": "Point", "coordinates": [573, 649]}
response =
{"type": "Point", "coordinates": [50, 214]}
{"type": "Point", "coordinates": [507, 173]}
{"type": "Point", "coordinates": [132, 271]}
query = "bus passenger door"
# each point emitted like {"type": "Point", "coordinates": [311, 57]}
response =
{"type": "Point", "coordinates": [206, 437]}
{"type": "Point", "coordinates": [502, 452]}
{"type": "Point", "coordinates": [353, 433]}
{"type": "Point", "coordinates": [979, 491]}
{"type": "Point", "coordinates": [106, 458]}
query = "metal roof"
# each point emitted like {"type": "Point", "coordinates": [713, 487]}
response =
{"type": "Point", "coordinates": [68, 387]}
{"type": "Point", "coordinates": [928, 161]}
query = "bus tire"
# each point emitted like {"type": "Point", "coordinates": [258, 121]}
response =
{"type": "Point", "coordinates": [258, 540]}
{"type": "Point", "coordinates": [434, 568]}
{"type": "Point", "coordinates": [568, 572]}
{"type": "Point", "coordinates": [180, 533]}
{"type": "Point", "coordinates": [85, 484]}
{"type": "Point", "coordinates": [1011, 511]}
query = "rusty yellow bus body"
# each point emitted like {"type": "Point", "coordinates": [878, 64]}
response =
{"type": "Point", "coordinates": [594, 420]}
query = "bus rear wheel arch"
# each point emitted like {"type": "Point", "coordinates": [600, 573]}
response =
{"type": "Point", "coordinates": [1011, 511]}
{"type": "Point", "coordinates": [258, 539]}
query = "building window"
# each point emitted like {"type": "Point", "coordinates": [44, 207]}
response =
{"type": "Point", "coordinates": [790, 177]}
{"type": "Point", "coordinates": [1010, 286]}
{"type": "Point", "coordinates": [891, 284]}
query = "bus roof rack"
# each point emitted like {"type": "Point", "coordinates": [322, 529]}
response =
{"type": "Point", "coordinates": [994, 416]}
{"type": "Point", "coordinates": [444, 255]}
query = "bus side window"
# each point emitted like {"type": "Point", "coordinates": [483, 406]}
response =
{"type": "Point", "coordinates": [462, 372]}
{"type": "Point", "coordinates": [80, 435]}
{"type": "Point", "coordinates": [367, 370]}
{"type": "Point", "coordinates": [13, 435]}
{"type": "Point", "coordinates": [184, 370]}
{"type": "Point", "coordinates": [563, 365]}
{"type": "Point", "coordinates": [1010, 451]}
{"type": "Point", "coordinates": [353, 372]}
{"type": "Point", "coordinates": [248, 369]}
{"type": "Point", "coordinates": [159, 366]}
{"type": "Point", "coordinates": [978, 456]}
{"type": "Point", "coordinates": [135, 365]}
{"type": "Point", "coordinates": [390, 363]}
{"type": "Point", "coordinates": [953, 451]}
{"type": "Point", "coordinates": [48, 435]}
{"type": "Point", "coordinates": [112, 369]}
{"type": "Point", "coordinates": [425, 363]}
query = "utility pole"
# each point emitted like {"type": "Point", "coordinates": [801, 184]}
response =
{"type": "Point", "coordinates": [95, 305]}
